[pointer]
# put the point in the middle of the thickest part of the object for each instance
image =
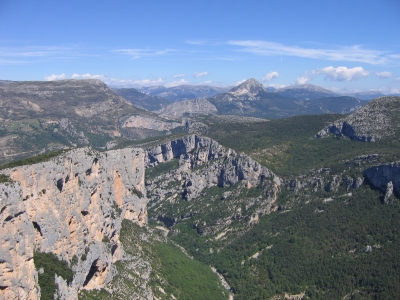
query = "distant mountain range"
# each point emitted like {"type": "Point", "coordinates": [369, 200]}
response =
{"type": "Point", "coordinates": [183, 92]}
{"type": "Point", "coordinates": [305, 92]}
{"type": "Point", "coordinates": [45, 116]}
{"type": "Point", "coordinates": [142, 100]}
{"type": "Point", "coordinates": [251, 98]}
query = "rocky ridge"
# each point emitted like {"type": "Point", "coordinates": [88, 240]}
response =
{"type": "Point", "coordinates": [71, 206]}
{"type": "Point", "coordinates": [376, 120]}
{"type": "Point", "coordinates": [201, 164]}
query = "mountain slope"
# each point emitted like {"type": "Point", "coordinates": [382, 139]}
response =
{"type": "Point", "coordinates": [305, 92]}
{"type": "Point", "coordinates": [41, 116]}
{"type": "Point", "coordinates": [377, 120]}
{"type": "Point", "coordinates": [333, 105]}
{"type": "Point", "coordinates": [252, 99]}
{"type": "Point", "coordinates": [189, 107]}
{"type": "Point", "coordinates": [183, 92]}
{"type": "Point", "coordinates": [141, 100]}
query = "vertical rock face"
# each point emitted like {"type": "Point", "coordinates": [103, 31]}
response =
{"type": "Point", "coordinates": [71, 206]}
{"type": "Point", "coordinates": [385, 177]}
{"type": "Point", "coordinates": [225, 167]}
{"type": "Point", "coordinates": [18, 277]}
{"type": "Point", "coordinates": [174, 149]}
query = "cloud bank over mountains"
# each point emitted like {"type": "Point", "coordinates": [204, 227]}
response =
{"type": "Point", "coordinates": [342, 73]}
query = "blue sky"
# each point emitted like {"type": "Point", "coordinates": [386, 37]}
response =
{"type": "Point", "coordinates": [340, 45]}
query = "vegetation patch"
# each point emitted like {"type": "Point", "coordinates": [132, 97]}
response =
{"type": "Point", "coordinates": [33, 160]}
{"type": "Point", "coordinates": [162, 168]}
{"type": "Point", "coordinates": [4, 178]}
{"type": "Point", "coordinates": [51, 265]}
{"type": "Point", "coordinates": [318, 247]}
{"type": "Point", "coordinates": [187, 279]}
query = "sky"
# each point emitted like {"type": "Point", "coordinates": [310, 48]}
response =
{"type": "Point", "coordinates": [345, 46]}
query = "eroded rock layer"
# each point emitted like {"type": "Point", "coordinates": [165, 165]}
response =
{"type": "Point", "coordinates": [71, 206]}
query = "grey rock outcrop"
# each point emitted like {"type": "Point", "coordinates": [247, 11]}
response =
{"type": "Point", "coordinates": [380, 176]}
{"type": "Point", "coordinates": [389, 193]}
{"type": "Point", "coordinates": [377, 119]}
{"type": "Point", "coordinates": [145, 122]}
{"type": "Point", "coordinates": [71, 206]}
{"type": "Point", "coordinates": [205, 163]}
{"type": "Point", "coordinates": [175, 148]}
{"type": "Point", "coordinates": [333, 184]}
{"type": "Point", "coordinates": [195, 126]}
{"type": "Point", "coordinates": [182, 108]}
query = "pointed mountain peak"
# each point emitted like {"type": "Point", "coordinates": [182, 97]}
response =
{"type": "Point", "coordinates": [250, 87]}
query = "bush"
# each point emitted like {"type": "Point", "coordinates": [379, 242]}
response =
{"type": "Point", "coordinates": [51, 265]}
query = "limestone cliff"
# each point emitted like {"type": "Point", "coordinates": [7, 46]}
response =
{"type": "Point", "coordinates": [197, 166]}
{"type": "Point", "coordinates": [71, 206]}
{"type": "Point", "coordinates": [216, 165]}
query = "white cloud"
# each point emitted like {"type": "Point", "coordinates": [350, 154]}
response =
{"type": "Point", "coordinates": [395, 91]}
{"type": "Point", "coordinates": [179, 75]}
{"type": "Point", "coordinates": [384, 74]}
{"type": "Point", "coordinates": [200, 74]}
{"type": "Point", "coordinates": [270, 76]}
{"type": "Point", "coordinates": [342, 73]}
{"type": "Point", "coordinates": [138, 53]}
{"type": "Point", "coordinates": [207, 82]}
{"type": "Point", "coordinates": [176, 83]}
{"type": "Point", "coordinates": [142, 82]}
{"type": "Point", "coordinates": [302, 80]}
{"type": "Point", "coordinates": [55, 77]}
{"type": "Point", "coordinates": [397, 79]}
{"type": "Point", "coordinates": [89, 76]}
{"type": "Point", "coordinates": [29, 54]}
{"type": "Point", "coordinates": [346, 53]}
